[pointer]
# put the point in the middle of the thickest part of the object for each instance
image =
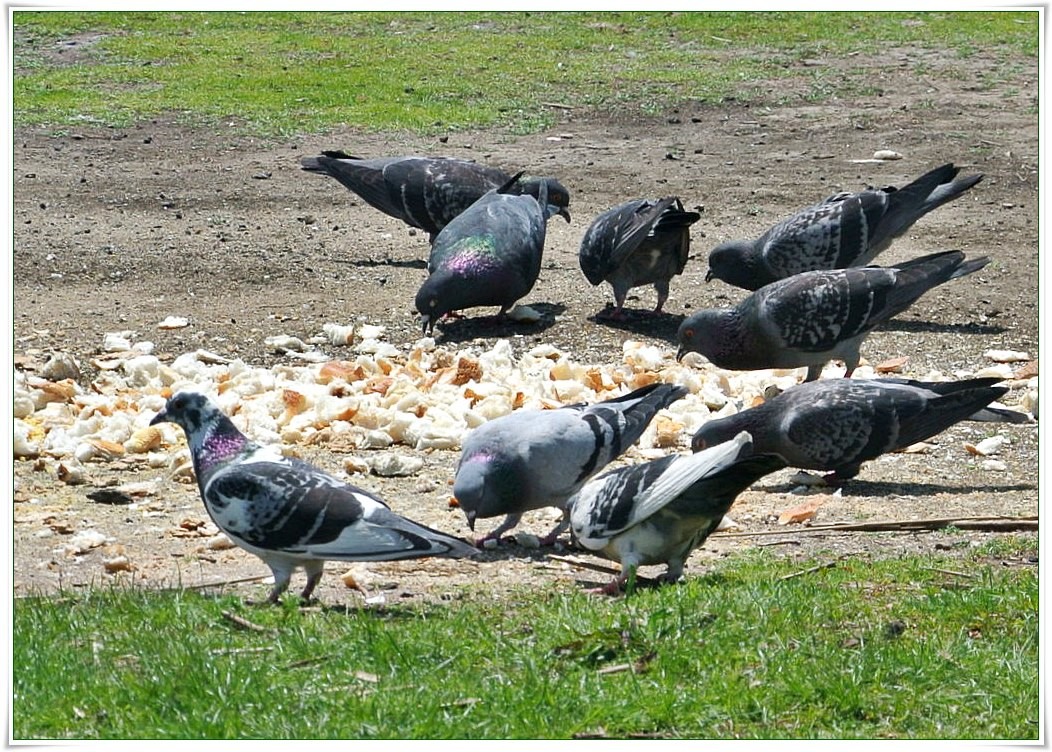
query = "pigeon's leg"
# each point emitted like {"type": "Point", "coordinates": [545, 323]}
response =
{"type": "Point", "coordinates": [675, 570]}
{"type": "Point", "coordinates": [282, 574]}
{"type": "Point", "coordinates": [813, 372]}
{"type": "Point", "coordinates": [551, 537]}
{"type": "Point", "coordinates": [509, 522]}
{"type": "Point", "coordinates": [314, 571]}
{"type": "Point", "coordinates": [841, 475]}
{"type": "Point", "coordinates": [662, 293]}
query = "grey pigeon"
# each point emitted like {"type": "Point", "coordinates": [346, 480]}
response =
{"type": "Point", "coordinates": [848, 229]}
{"type": "Point", "coordinates": [640, 242]}
{"type": "Point", "coordinates": [837, 424]}
{"type": "Point", "coordinates": [426, 192]}
{"type": "Point", "coordinates": [489, 254]}
{"type": "Point", "coordinates": [813, 317]}
{"type": "Point", "coordinates": [286, 511]}
{"type": "Point", "coordinates": [531, 459]}
{"type": "Point", "coordinates": [658, 512]}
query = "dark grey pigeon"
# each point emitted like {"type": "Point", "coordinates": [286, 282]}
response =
{"type": "Point", "coordinates": [848, 229]}
{"type": "Point", "coordinates": [531, 459]}
{"type": "Point", "coordinates": [286, 511]}
{"type": "Point", "coordinates": [814, 317]}
{"type": "Point", "coordinates": [427, 192]}
{"type": "Point", "coordinates": [640, 242]}
{"type": "Point", "coordinates": [658, 512]}
{"type": "Point", "coordinates": [837, 424]}
{"type": "Point", "coordinates": [488, 255]}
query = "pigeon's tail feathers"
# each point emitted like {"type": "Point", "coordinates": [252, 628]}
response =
{"type": "Point", "coordinates": [353, 174]}
{"type": "Point", "coordinates": [675, 217]}
{"type": "Point", "coordinates": [930, 191]}
{"type": "Point", "coordinates": [946, 410]}
{"type": "Point", "coordinates": [511, 185]}
{"type": "Point", "coordinates": [917, 276]}
{"type": "Point", "coordinates": [1000, 415]}
{"type": "Point", "coordinates": [339, 154]}
{"type": "Point", "coordinates": [718, 490]}
{"type": "Point", "coordinates": [637, 409]}
{"type": "Point", "coordinates": [972, 265]}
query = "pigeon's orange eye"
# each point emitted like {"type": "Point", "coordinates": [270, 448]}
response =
{"type": "Point", "coordinates": [689, 333]}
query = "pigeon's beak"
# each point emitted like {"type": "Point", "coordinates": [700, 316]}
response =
{"type": "Point", "coordinates": [471, 519]}
{"type": "Point", "coordinates": [709, 275]}
{"type": "Point", "coordinates": [564, 213]}
{"type": "Point", "coordinates": [160, 417]}
{"type": "Point", "coordinates": [680, 353]}
{"type": "Point", "coordinates": [425, 320]}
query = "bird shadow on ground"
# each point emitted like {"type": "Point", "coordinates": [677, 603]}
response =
{"type": "Point", "coordinates": [658, 325]}
{"type": "Point", "coordinates": [919, 327]}
{"type": "Point", "coordinates": [865, 488]}
{"type": "Point", "coordinates": [465, 328]}
{"type": "Point", "coordinates": [398, 263]}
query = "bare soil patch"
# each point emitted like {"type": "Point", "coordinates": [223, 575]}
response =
{"type": "Point", "coordinates": [117, 229]}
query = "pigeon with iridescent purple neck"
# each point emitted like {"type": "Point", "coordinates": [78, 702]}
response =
{"type": "Point", "coordinates": [488, 255]}
{"type": "Point", "coordinates": [427, 192]}
{"type": "Point", "coordinates": [286, 511]}
{"type": "Point", "coordinates": [845, 230]}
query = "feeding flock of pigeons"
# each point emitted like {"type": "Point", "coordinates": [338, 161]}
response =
{"type": "Point", "coordinates": [815, 298]}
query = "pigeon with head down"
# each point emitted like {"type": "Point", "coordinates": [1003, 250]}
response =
{"type": "Point", "coordinates": [489, 255]}
{"type": "Point", "coordinates": [428, 192]}
{"type": "Point", "coordinates": [835, 425]}
{"type": "Point", "coordinates": [532, 459]}
{"type": "Point", "coordinates": [814, 317]}
{"type": "Point", "coordinates": [845, 230]}
{"type": "Point", "coordinates": [658, 512]}
{"type": "Point", "coordinates": [639, 242]}
{"type": "Point", "coordinates": [286, 511]}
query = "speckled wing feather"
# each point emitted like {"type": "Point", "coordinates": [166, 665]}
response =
{"type": "Point", "coordinates": [293, 508]}
{"type": "Point", "coordinates": [615, 234]}
{"type": "Point", "coordinates": [837, 424]}
{"type": "Point", "coordinates": [538, 458]}
{"type": "Point", "coordinates": [834, 234]}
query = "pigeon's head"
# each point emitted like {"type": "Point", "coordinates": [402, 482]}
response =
{"type": "Point", "coordinates": [429, 304]}
{"type": "Point", "coordinates": [558, 199]}
{"type": "Point", "coordinates": [733, 262]}
{"type": "Point", "coordinates": [717, 431]}
{"type": "Point", "coordinates": [700, 333]}
{"type": "Point", "coordinates": [189, 410]}
{"type": "Point", "coordinates": [482, 487]}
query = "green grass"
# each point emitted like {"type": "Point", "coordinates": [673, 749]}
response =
{"type": "Point", "coordinates": [284, 73]}
{"type": "Point", "coordinates": [868, 649]}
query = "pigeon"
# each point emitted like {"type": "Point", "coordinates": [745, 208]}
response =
{"type": "Point", "coordinates": [813, 317]}
{"type": "Point", "coordinates": [531, 459]}
{"type": "Point", "coordinates": [639, 242]}
{"type": "Point", "coordinates": [837, 424]}
{"type": "Point", "coordinates": [426, 192]}
{"type": "Point", "coordinates": [847, 229]}
{"type": "Point", "coordinates": [658, 512]}
{"type": "Point", "coordinates": [286, 511]}
{"type": "Point", "coordinates": [489, 254]}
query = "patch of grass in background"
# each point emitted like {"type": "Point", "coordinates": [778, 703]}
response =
{"type": "Point", "coordinates": [908, 648]}
{"type": "Point", "coordinates": [284, 73]}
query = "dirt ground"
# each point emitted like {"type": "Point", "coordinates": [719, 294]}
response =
{"type": "Point", "coordinates": [117, 229]}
